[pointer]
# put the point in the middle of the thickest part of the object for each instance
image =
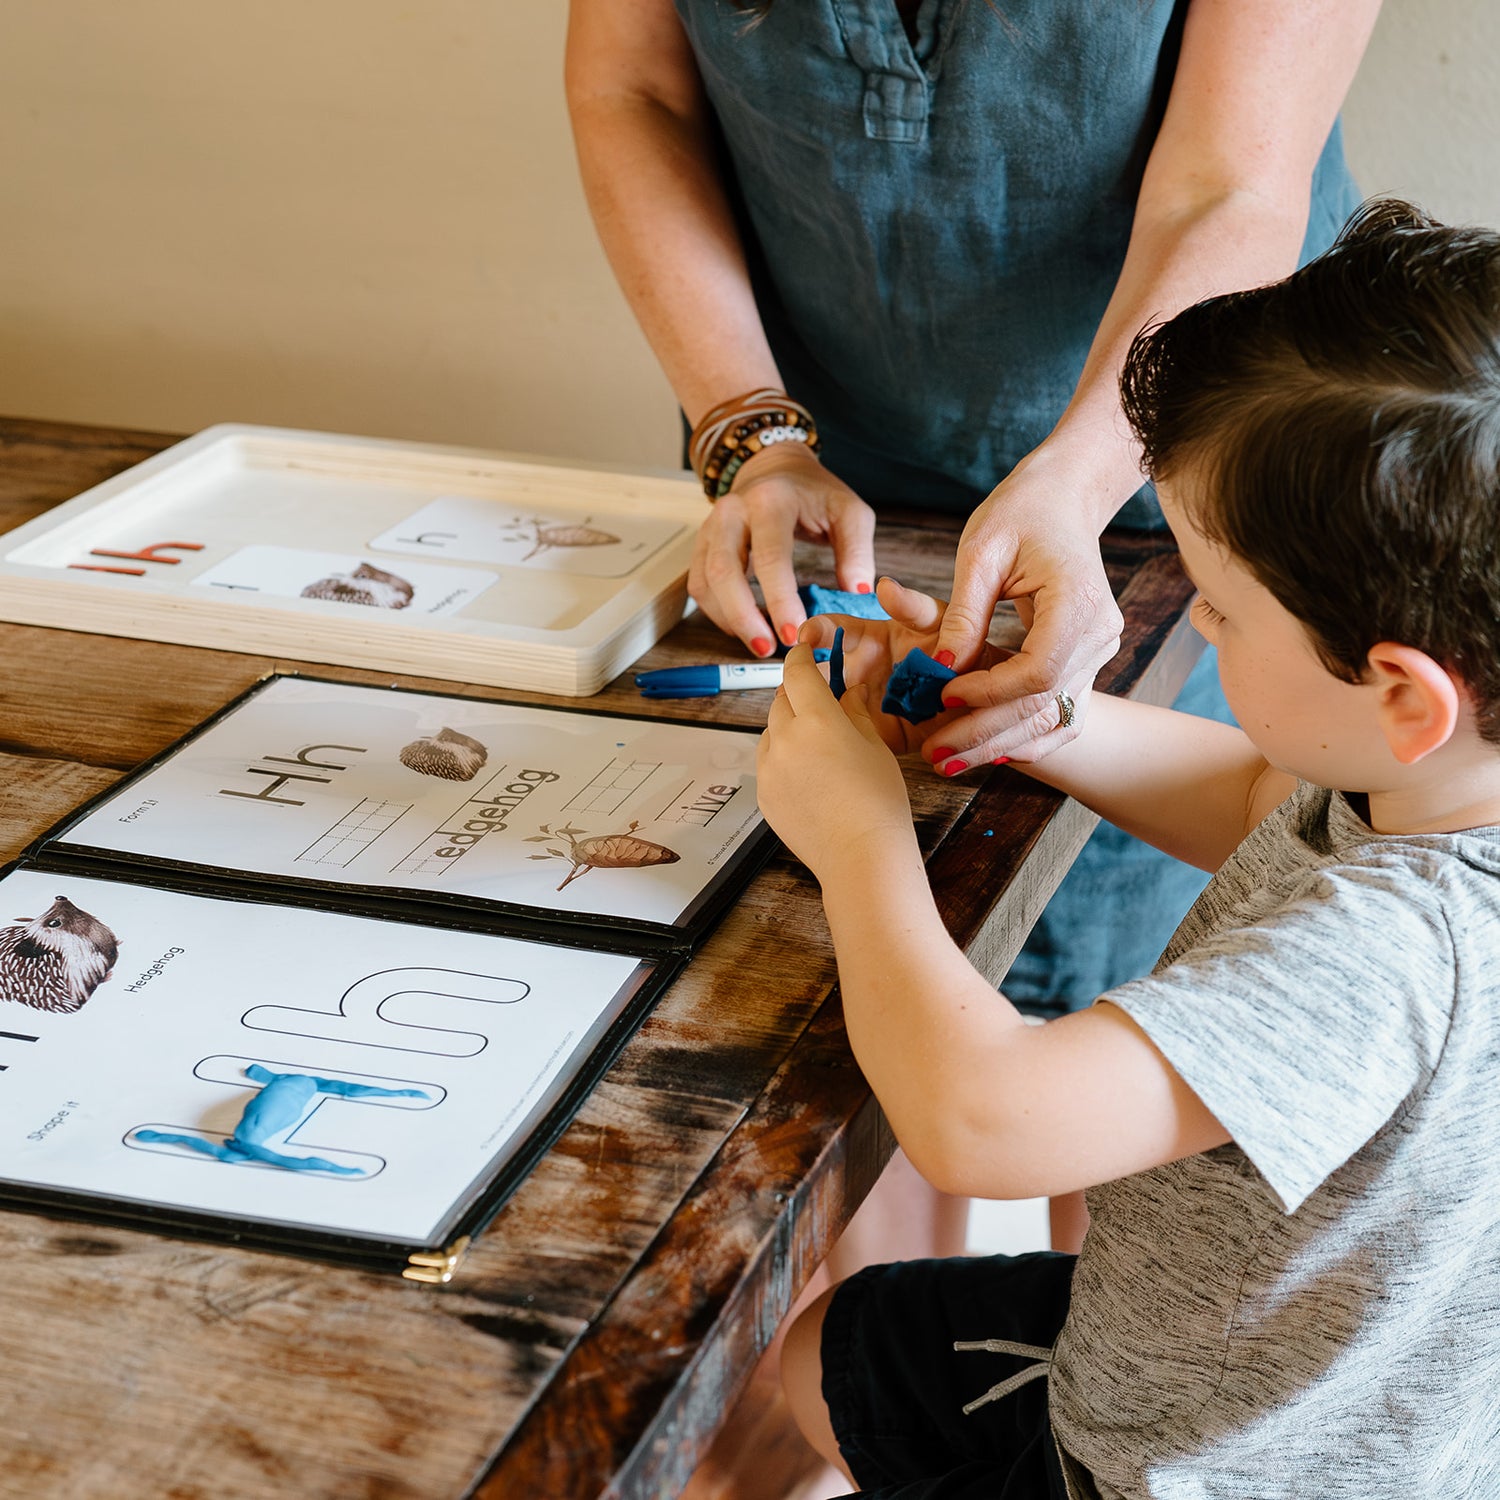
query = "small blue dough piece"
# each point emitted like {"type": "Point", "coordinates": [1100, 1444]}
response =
{"type": "Point", "coordinates": [836, 664]}
{"type": "Point", "coordinates": [817, 600]}
{"type": "Point", "coordinates": [915, 689]}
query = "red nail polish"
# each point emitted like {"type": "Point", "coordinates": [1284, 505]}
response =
{"type": "Point", "coordinates": [954, 767]}
{"type": "Point", "coordinates": [1001, 760]}
{"type": "Point", "coordinates": [941, 754]}
{"type": "Point", "coordinates": [761, 646]}
{"type": "Point", "coordinates": [954, 703]}
{"type": "Point", "coordinates": [944, 658]}
{"type": "Point", "coordinates": [789, 634]}
{"type": "Point", "coordinates": [861, 588]}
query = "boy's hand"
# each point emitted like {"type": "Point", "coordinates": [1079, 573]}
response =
{"type": "Point", "coordinates": [826, 783]}
{"type": "Point", "coordinates": [873, 647]}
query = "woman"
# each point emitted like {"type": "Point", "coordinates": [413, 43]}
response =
{"type": "Point", "coordinates": [938, 224]}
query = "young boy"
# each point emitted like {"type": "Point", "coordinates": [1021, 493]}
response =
{"type": "Point", "coordinates": [1291, 1282]}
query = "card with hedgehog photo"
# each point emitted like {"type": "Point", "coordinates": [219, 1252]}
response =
{"type": "Point", "coordinates": [340, 1085]}
{"type": "Point", "coordinates": [548, 539]}
{"type": "Point", "coordinates": [618, 822]}
{"type": "Point", "coordinates": [344, 579]}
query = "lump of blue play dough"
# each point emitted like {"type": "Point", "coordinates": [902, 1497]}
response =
{"type": "Point", "coordinates": [817, 600]}
{"type": "Point", "coordinates": [915, 689]}
{"type": "Point", "coordinates": [278, 1106]}
{"type": "Point", "coordinates": [836, 664]}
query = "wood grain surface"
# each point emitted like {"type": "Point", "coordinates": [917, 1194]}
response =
{"type": "Point", "coordinates": [602, 1325]}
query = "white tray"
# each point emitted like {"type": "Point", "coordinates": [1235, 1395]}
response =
{"type": "Point", "coordinates": [487, 568]}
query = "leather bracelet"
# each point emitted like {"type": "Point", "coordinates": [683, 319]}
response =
{"type": "Point", "coordinates": [734, 431]}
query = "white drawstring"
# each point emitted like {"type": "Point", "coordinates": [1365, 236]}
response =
{"type": "Point", "coordinates": [1037, 1352]}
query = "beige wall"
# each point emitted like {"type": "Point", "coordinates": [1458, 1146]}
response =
{"type": "Point", "coordinates": [362, 216]}
{"type": "Point", "coordinates": [1423, 117]}
{"type": "Point", "coordinates": [350, 214]}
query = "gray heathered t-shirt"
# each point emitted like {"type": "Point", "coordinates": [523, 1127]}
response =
{"type": "Point", "coordinates": [1312, 1310]}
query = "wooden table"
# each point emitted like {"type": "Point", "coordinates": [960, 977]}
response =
{"type": "Point", "coordinates": [600, 1328]}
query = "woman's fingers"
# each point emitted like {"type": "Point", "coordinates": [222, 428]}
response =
{"type": "Point", "coordinates": [851, 529]}
{"type": "Point", "coordinates": [1019, 728]}
{"type": "Point", "coordinates": [772, 535]}
{"type": "Point", "coordinates": [779, 495]}
{"type": "Point", "coordinates": [717, 579]}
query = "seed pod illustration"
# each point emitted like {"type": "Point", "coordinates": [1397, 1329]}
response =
{"type": "Point", "coordinates": [365, 585]}
{"type": "Point", "coordinates": [583, 535]}
{"type": "Point", "coordinates": [448, 754]}
{"type": "Point", "coordinates": [604, 851]}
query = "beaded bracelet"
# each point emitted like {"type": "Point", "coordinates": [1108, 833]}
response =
{"type": "Point", "coordinates": [736, 430]}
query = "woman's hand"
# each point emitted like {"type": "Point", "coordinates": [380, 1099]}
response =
{"type": "Point", "coordinates": [779, 495]}
{"type": "Point", "coordinates": [873, 647]}
{"type": "Point", "coordinates": [1024, 543]}
{"type": "Point", "coordinates": [828, 786]}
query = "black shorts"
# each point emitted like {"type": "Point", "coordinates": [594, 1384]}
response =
{"type": "Point", "coordinates": [896, 1387]}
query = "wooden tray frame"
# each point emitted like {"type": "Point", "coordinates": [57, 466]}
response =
{"type": "Point", "coordinates": [631, 613]}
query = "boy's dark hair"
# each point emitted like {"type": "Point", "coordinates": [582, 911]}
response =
{"type": "Point", "coordinates": [1343, 428]}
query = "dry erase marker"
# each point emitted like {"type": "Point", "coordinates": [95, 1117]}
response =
{"type": "Point", "coordinates": [704, 682]}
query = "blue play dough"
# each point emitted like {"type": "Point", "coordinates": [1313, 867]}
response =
{"type": "Point", "coordinates": [915, 689]}
{"type": "Point", "coordinates": [836, 664]}
{"type": "Point", "coordinates": [817, 600]}
{"type": "Point", "coordinates": [276, 1106]}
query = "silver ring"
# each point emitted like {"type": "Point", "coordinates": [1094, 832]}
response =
{"type": "Point", "coordinates": [1065, 708]}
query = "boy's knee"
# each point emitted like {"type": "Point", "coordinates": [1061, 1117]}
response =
{"type": "Point", "coordinates": [802, 1377]}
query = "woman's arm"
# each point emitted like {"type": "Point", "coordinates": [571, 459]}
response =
{"type": "Point", "coordinates": [1191, 787]}
{"type": "Point", "coordinates": [641, 129]}
{"type": "Point", "coordinates": [1223, 205]}
{"type": "Point", "coordinates": [641, 126]}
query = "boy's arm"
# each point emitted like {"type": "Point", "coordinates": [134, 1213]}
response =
{"type": "Point", "coordinates": [983, 1103]}
{"type": "Point", "coordinates": [1192, 787]}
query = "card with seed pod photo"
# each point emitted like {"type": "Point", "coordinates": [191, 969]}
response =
{"type": "Point", "coordinates": [540, 814]}
{"type": "Point", "coordinates": [548, 539]}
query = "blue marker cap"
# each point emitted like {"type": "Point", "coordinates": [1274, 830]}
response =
{"type": "Point", "coordinates": [679, 682]}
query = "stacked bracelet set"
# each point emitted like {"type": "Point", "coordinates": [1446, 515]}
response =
{"type": "Point", "coordinates": [737, 430]}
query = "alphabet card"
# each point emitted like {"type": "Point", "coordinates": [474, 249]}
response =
{"type": "Point", "coordinates": [329, 974]}
{"type": "Point", "coordinates": [556, 541]}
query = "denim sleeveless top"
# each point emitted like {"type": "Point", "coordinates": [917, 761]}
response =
{"type": "Point", "coordinates": [935, 226]}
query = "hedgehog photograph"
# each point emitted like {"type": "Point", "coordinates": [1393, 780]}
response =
{"type": "Point", "coordinates": [365, 585]}
{"type": "Point", "coordinates": [57, 960]}
{"type": "Point", "coordinates": [448, 754]}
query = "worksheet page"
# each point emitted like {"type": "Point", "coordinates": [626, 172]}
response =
{"type": "Point", "coordinates": [579, 813]}
{"type": "Point", "coordinates": [275, 1063]}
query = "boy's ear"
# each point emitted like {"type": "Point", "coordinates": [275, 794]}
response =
{"type": "Point", "coordinates": [1420, 701]}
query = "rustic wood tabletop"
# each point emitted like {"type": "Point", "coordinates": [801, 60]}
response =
{"type": "Point", "coordinates": [602, 1325]}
